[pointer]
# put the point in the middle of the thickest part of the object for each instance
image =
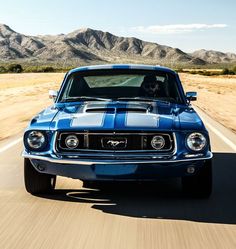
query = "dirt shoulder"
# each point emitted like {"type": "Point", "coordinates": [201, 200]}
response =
{"type": "Point", "coordinates": [216, 96]}
{"type": "Point", "coordinates": [24, 95]}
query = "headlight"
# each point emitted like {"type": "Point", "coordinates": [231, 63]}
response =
{"type": "Point", "coordinates": [72, 141]}
{"type": "Point", "coordinates": [158, 142]}
{"type": "Point", "coordinates": [196, 141]}
{"type": "Point", "coordinates": [36, 140]}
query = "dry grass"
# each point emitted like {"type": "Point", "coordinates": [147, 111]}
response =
{"type": "Point", "coordinates": [28, 79]}
{"type": "Point", "coordinates": [24, 95]}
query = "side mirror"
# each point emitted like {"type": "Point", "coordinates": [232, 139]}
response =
{"type": "Point", "coordinates": [191, 96]}
{"type": "Point", "coordinates": [53, 94]}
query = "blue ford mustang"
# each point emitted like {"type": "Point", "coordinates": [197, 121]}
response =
{"type": "Point", "coordinates": [118, 123]}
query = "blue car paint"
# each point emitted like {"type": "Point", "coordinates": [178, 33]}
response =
{"type": "Point", "coordinates": [124, 172]}
{"type": "Point", "coordinates": [181, 119]}
{"type": "Point", "coordinates": [171, 117]}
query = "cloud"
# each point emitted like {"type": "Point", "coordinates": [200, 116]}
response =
{"type": "Point", "coordinates": [176, 28]}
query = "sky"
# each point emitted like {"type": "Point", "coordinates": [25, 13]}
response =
{"type": "Point", "coordinates": [186, 24]}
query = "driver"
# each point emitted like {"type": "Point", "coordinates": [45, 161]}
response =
{"type": "Point", "coordinates": [150, 86]}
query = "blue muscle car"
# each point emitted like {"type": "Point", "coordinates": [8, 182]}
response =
{"type": "Point", "coordinates": [119, 123]}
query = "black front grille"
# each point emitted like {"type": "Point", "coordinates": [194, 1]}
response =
{"type": "Point", "coordinates": [121, 142]}
{"type": "Point", "coordinates": [99, 142]}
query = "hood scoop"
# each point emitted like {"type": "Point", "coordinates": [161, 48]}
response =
{"type": "Point", "coordinates": [132, 109]}
{"type": "Point", "coordinates": [99, 110]}
{"type": "Point", "coordinates": [119, 110]}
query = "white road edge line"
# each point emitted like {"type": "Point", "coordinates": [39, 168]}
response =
{"type": "Point", "coordinates": [220, 135]}
{"type": "Point", "coordinates": [11, 144]}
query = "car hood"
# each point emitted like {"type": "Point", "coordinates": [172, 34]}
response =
{"type": "Point", "coordinates": [125, 116]}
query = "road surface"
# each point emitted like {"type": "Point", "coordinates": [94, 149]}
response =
{"type": "Point", "coordinates": [126, 217]}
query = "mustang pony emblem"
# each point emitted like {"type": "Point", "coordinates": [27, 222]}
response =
{"type": "Point", "coordinates": [114, 143]}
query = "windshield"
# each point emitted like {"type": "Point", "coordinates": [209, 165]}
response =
{"type": "Point", "coordinates": [118, 85]}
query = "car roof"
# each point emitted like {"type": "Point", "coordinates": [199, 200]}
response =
{"type": "Point", "coordinates": [122, 66]}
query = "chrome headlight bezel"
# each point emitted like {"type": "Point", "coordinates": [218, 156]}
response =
{"type": "Point", "coordinates": [199, 145]}
{"type": "Point", "coordinates": [35, 140]}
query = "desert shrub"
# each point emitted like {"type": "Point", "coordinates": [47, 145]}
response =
{"type": "Point", "coordinates": [30, 69]}
{"type": "Point", "coordinates": [225, 71]}
{"type": "Point", "coordinates": [15, 68]}
{"type": "Point", "coordinates": [206, 73]}
{"type": "Point", "coordinates": [47, 69]}
{"type": "Point", "coordinates": [39, 69]}
{"type": "Point", "coordinates": [3, 69]}
{"type": "Point", "coordinates": [234, 69]}
{"type": "Point", "coordinates": [179, 70]}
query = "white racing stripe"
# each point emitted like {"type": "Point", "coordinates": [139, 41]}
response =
{"type": "Point", "coordinates": [142, 120]}
{"type": "Point", "coordinates": [88, 120]}
{"type": "Point", "coordinates": [221, 135]}
{"type": "Point", "coordinates": [11, 144]}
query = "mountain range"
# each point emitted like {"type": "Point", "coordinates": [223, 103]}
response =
{"type": "Point", "coordinates": [88, 46]}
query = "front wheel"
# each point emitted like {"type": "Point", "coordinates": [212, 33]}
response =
{"type": "Point", "coordinates": [199, 185]}
{"type": "Point", "coordinates": [35, 182]}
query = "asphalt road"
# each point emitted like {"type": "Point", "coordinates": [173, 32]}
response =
{"type": "Point", "coordinates": [132, 216]}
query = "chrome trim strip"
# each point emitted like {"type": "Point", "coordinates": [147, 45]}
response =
{"type": "Point", "coordinates": [114, 151]}
{"type": "Point", "coordinates": [92, 162]}
{"type": "Point", "coordinates": [115, 133]}
{"type": "Point", "coordinates": [111, 154]}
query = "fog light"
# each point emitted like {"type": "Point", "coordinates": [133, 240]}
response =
{"type": "Point", "coordinates": [190, 170]}
{"type": "Point", "coordinates": [41, 168]}
{"type": "Point", "coordinates": [72, 142]}
{"type": "Point", "coordinates": [158, 142]}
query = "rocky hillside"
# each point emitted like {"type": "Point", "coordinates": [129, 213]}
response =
{"type": "Point", "coordinates": [211, 56]}
{"type": "Point", "coordinates": [91, 46]}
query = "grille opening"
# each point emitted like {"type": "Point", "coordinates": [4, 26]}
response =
{"type": "Point", "coordinates": [106, 142]}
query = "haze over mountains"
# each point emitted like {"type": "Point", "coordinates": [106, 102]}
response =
{"type": "Point", "coordinates": [88, 46]}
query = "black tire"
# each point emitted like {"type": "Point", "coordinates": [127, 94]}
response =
{"type": "Point", "coordinates": [35, 182]}
{"type": "Point", "coordinates": [88, 184]}
{"type": "Point", "coordinates": [199, 185]}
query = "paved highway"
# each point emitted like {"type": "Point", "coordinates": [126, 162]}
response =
{"type": "Point", "coordinates": [154, 216]}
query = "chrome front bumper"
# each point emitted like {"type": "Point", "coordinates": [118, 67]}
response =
{"type": "Point", "coordinates": [61, 160]}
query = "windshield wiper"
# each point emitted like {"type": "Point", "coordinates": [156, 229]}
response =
{"type": "Point", "coordinates": [82, 98]}
{"type": "Point", "coordinates": [143, 99]}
